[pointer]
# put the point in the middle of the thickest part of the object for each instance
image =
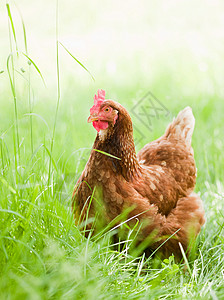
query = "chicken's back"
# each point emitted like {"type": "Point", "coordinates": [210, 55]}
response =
{"type": "Point", "coordinates": [173, 150]}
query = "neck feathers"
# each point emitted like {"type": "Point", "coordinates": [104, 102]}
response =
{"type": "Point", "coordinates": [118, 141]}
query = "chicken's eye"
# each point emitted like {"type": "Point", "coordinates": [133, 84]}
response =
{"type": "Point", "coordinates": [106, 109]}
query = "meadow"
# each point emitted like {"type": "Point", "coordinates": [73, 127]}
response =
{"type": "Point", "coordinates": [49, 54]}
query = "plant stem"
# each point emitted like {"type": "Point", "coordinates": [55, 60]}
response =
{"type": "Point", "coordinates": [13, 89]}
{"type": "Point", "coordinates": [58, 92]}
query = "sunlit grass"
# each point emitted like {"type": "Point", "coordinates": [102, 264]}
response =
{"type": "Point", "coordinates": [43, 148]}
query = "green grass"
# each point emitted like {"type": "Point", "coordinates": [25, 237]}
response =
{"type": "Point", "coordinates": [43, 149]}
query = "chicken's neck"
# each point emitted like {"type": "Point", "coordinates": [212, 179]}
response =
{"type": "Point", "coordinates": [118, 141]}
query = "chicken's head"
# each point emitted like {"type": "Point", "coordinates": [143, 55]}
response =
{"type": "Point", "coordinates": [102, 115]}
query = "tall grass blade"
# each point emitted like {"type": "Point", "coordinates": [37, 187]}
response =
{"type": "Point", "coordinates": [3, 181]}
{"type": "Point", "coordinates": [38, 116]}
{"type": "Point", "coordinates": [10, 76]}
{"type": "Point", "coordinates": [185, 258]}
{"type": "Point", "coordinates": [78, 61]}
{"type": "Point", "coordinates": [51, 157]}
{"type": "Point", "coordinates": [24, 33]}
{"type": "Point", "coordinates": [12, 25]}
{"type": "Point", "coordinates": [29, 85]}
{"type": "Point", "coordinates": [35, 66]}
{"type": "Point", "coordinates": [12, 85]}
{"type": "Point", "coordinates": [58, 91]}
{"type": "Point", "coordinates": [2, 155]}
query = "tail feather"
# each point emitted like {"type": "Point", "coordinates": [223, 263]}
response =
{"type": "Point", "coordinates": [182, 126]}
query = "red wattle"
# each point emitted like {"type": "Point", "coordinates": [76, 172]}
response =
{"type": "Point", "coordinates": [98, 125]}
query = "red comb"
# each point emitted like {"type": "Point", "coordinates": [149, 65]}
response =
{"type": "Point", "coordinates": [99, 97]}
{"type": "Point", "coordinates": [98, 100]}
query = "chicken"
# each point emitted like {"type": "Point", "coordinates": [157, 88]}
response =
{"type": "Point", "coordinates": [156, 186]}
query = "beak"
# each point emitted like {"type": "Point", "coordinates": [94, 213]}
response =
{"type": "Point", "coordinates": [92, 119]}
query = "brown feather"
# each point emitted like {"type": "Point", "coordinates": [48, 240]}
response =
{"type": "Point", "coordinates": [157, 184]}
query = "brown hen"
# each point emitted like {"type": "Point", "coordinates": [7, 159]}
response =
{"type": "Point", "coordinates": [156, 185]}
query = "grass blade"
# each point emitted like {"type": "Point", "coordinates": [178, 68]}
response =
{"type": "Point", "coordinates": [12, 212]}
{"type": "Point", "coordinates": [51, 157]}
{"type": "Point", "coordinates": [29, 84]}
{"type": "Point", "coordinates": [12, 25]}
{"type": "Point", "coordinates": [13, 89]}
{"type": "Point", "coordinates": [58, 91]}
{"type": "Point", "coordinates": [38, 116]}
{"type": "Point", "coordinates": [24, 34]}
{"type": "Point", "coordinates": [35, 66]}
{"type": "Point", "coordinates": [105, 153]}
{"type": "Point", "coordinates": [2, 179]}
{"type": "Point", "coordinates": [77, 61]}
{"type": "Point", "coordinates": [10, 77]}
{"type": "Point", "coordinates": [185, 258]}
